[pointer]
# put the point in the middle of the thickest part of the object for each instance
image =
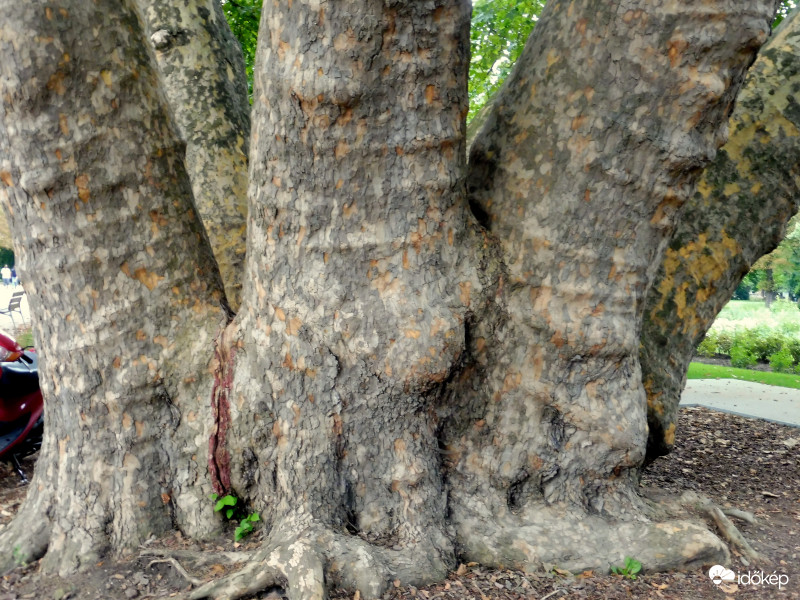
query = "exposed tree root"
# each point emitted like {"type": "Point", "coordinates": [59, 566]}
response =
{"type": "Point", "coordinates": [26, 537]}
{"type": "Point", "coordinates": [179, 568]}
{"type": "Point", "coordinates": [305, 561]}
{"type": "Point", "coordinates": [200, 558]}
{"type": "Point", "coordinates": [571, 538]}
{"type": "Point", "coordinates": [724, 525]}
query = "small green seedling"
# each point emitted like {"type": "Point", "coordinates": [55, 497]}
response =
{"type": "Point", "coordinates": [245, 527]}
{"type": "Point", "coordinates": [20, 558]}
{"type": "Point", "coordinates": [226, 505]}
{"type": "Point", "coordinates": [629, 571]}
{"type": "Point", "coordinates": [229, 506]}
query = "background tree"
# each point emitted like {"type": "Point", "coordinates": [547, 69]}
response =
{"type": "Point", "coordinates": [779, 271]}
{"type": "Point", "coordinates": [383, 324]}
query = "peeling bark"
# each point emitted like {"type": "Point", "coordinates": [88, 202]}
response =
{"type": "Point", "coordinates": [203, 75]}
{"type": "Point", "coordinates": [738, 213]}
{"type": "Point", "coordinates": [124, 292]}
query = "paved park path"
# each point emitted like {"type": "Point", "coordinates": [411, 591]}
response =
{"type": "Point", "coordinates": [745, 398]}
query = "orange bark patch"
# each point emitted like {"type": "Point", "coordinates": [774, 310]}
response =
{"type": "Point", "coordinates": [580, 26]}
{"type": "Point", "coordinates": [578, 122]}
{"type": "Point", "coordinates": [280, 314]}
{"type": "Point", "coordinates": [676, 48]}
{"type": "Point", "coordinates": [82, 183]}
{"type": "Point", "coordinates": [430, 94]}
{"type": "Point", "coordinates": [56, 83]}
{"type": "Point", "coordinates": [62, 124]}
{"type": "Point", "coordinates": [348, 209]}
{"type": "Point", "coordinates": [669, 435]}
{"type": "Point", "coordinates": [464, 292]}
{"type": "Point", "coordinates": [412, 333]}
{"type": "Point", "coordinates": [337, 424]}
{"type": "Point", "coordinates": [282, 48]}
{"type": "Point", "coordinates": [148, 278]}
{"type": "Point", "coordinates": [293, 326]}
{"type": "Point", "coordinates": [5, 177]}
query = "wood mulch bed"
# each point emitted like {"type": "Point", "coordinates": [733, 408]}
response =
{"type": "Point", "coordinates": [736, 461]}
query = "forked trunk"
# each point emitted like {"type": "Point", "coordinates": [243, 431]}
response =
{"type": "Point", "coordinates": [356, 289]}
{"type": "Point", "coordinates": [202, 70]}
{"type": "Point", "coordinates": [395, 368]}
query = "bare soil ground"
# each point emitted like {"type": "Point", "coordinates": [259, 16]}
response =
{"type": "Point", "coordinates": [739, 462]}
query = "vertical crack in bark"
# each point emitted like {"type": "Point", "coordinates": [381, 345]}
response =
{"type": "Point", "coordinates": [219, 460]}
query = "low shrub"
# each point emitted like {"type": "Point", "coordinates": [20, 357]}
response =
{"type": "Point", "coordinates": [782, 361]}
{"type": "Point", "coordinates": [742, 358]}
{"type": "Point", "coordinates": [708, 347]}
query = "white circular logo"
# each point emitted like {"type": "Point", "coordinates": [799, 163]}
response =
{"type": "Point", "coordinates": [718, 574]}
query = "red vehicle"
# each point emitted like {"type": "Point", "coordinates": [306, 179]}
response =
{"type": "Point", "coordinates": [21, 405]}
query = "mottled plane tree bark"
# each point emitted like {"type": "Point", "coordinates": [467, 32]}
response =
{"type": "Point", "coordinates": [203, 77]}
{"type": "Point", "coordinates": [126, 297]}
{"type": "Point", "coordinates": [431, 359]}
{"type": "Point", "coordinates": [738, 213]}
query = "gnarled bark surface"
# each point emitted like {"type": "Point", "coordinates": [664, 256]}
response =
{"type": "Point", "coordinates": [397, 373]}
{"type": "Point", "coordinates": [124, 292]}
{"type": "Point", "coordinates": [359, 223]}
{"type": "Point", "coordinates": [738, 213]}
{"type": "Point", "coordinates": [203, 75]}
{"type": "Point", "coordinates": [582, 195]}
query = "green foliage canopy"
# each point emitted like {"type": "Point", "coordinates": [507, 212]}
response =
{"type": "Point", "coordinates": [499, 31]}
{"type": "Point", "coordinates": [784, 9]}
{"type": "Point", "coordinates": [243, 17]}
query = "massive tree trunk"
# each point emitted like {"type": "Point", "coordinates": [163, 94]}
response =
{"type": "Point", "coordinates": [382, 326]}
{"type": "Point", "coordinates": [124, 290]}
{"type": "Point", "coordinates": [582, 194]}
{"type": "Point", "coordinates": [203, 75]}
{"type": "Point", "coordinates": [357, 286]}
{"type": "Point", "coordinates": [738, 213]}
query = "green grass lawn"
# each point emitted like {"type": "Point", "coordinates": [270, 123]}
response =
{"type": "Point", "coordinates": [702, 371]}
